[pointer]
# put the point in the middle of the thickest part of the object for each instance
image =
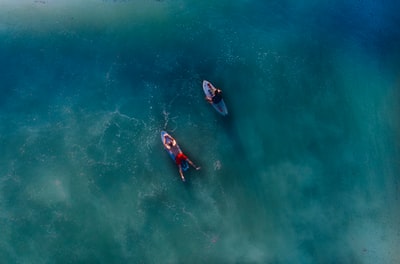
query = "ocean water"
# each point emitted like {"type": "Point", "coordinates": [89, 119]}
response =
{"type": "Point", "coordinates": [304, 169]}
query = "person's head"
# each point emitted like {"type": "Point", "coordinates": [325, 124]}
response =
{"type": "Point", "coordinates": [168, 141]}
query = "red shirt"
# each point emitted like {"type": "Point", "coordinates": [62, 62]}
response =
{"type": "Point", "coordinates": [179, 158]}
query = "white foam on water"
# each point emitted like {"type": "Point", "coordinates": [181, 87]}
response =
{"type": "Point", "coordinates": [50, 187]}
{"type": "Point", "coordinates": [374, 242]}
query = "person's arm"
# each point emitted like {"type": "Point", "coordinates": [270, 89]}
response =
{"type": "Point", "coordinates": [165, 141]}
{"type": "Point", "coordinates": [168, 136]}
{"type": "Point", "coordinates": [173, 140]}
{"type": "Point", "coordinates": [166, 145]}
{"type": "Point", "coordinates": [181, 172]}
{"type": "Point", "coordinates": [193, 165]}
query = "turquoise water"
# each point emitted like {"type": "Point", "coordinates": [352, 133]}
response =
{"type": "Point", "coordinates": [303, 170]}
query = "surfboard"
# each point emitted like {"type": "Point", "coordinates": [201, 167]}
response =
{"type": "Point", "coordinates": [209, 89]}
{"type": "Point", "coordinates": [184, 164]}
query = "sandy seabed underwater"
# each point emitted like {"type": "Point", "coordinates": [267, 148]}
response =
{"type": "Point", "coordinates": [304, 169]}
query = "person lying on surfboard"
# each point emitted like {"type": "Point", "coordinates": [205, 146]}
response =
{"type": "Point", "coordinates": [170, 144]}
{"type": "Point", "coordinates": [217, 95]}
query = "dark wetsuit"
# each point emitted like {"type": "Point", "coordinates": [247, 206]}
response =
{"type": "Point", "coordinates": [217, 97]}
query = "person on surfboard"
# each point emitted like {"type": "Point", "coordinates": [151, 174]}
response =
{"type": "Point", "coordinates": [170, 144]}
{"type": "Point", "coordinates": [217, 95]}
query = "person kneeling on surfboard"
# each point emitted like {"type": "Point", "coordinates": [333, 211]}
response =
{"type": "Point", "coordinates": [170, 144]}
{"type": "Point", "coordinates": [217, 96]}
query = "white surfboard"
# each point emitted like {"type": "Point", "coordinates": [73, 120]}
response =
{"type": "Point", "coordinates": [209, 89]}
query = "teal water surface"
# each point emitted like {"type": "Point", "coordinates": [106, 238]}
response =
{"type": "Point", "coordinates": [304, 169]}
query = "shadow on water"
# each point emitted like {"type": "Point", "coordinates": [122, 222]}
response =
{"type": "Point", "coordinates": [228, 124]}
{"type": "Point", "coordinates": [241, 165]}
